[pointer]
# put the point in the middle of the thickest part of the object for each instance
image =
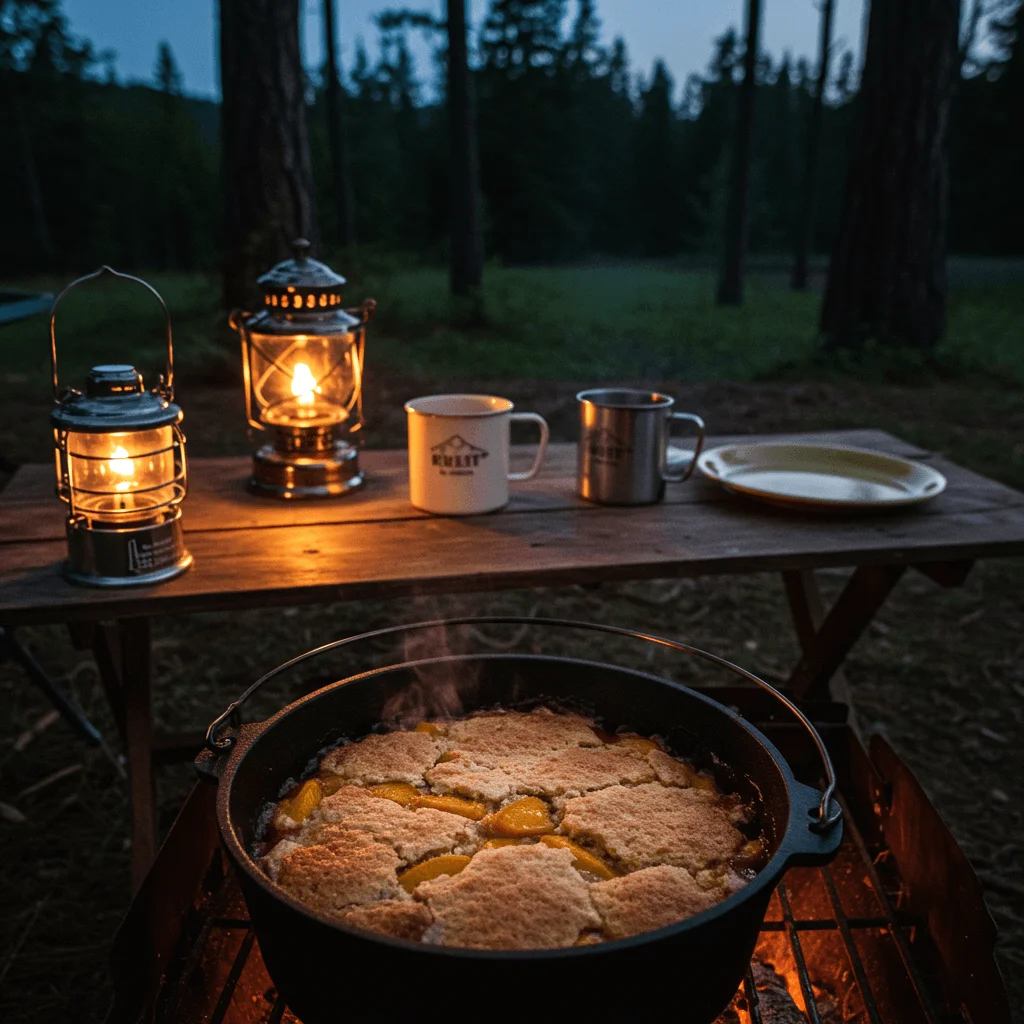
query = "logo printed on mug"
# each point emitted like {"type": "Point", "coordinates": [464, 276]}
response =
{"type": "Point", "coordinates": [457, 456]}
{"type": "Point", "coordinates": [607, 447]}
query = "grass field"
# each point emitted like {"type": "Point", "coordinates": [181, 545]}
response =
{"type": "Point", "coordinates": [595, 323]}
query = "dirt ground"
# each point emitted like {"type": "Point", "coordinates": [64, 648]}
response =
{"type": "Point", "coordinates": [940, 673]}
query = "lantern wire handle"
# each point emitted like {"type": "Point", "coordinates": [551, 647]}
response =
{"type": "Point", "coordinates": [166, 387]}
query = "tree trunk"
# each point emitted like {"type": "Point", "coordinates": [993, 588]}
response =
{"type": "Point", "coordinates": [268, 180]}
{"type": "Point", "coordinates": [730, 281]}
{"type": "Point", "coordinates": [805, 226]}
{"type": "Point", "coordinates": [887, 279]}
{"type": "Point", "coordinates": [35, 192]}
{"type": "Point", "coordinates": [467, 247]}
{"type": "Point", "coordinates": [345, 225]}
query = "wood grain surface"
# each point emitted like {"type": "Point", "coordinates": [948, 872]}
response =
{"type": "Point", "coordinates": [254, 551]}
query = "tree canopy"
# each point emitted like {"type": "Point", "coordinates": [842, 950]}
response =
{"type": "Point", "coordinates": [581, 155]}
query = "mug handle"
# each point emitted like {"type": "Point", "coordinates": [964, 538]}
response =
{"type": "Point", "coordinates": [678, 478]}
{"type": "Point", "coordinates": [544, 435]}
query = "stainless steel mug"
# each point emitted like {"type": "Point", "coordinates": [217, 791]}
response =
{"type": "Point", "coordinates": [622, 456]}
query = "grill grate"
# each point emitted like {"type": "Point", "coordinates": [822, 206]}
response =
{"type": "Point", "coordinates": [836, 935]}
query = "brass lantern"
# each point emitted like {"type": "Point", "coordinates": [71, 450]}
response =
{"type": "Point", "coordinates": [302, 358]}
{"type": "Point", "coordinates": [120, 457]}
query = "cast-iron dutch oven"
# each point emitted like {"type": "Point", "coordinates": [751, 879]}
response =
{"type": "Point", "coordinates": [328, 972]}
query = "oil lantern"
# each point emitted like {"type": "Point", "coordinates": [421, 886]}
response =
{"type": "Point", "coordinates": [302, 359]}
{"type": "Point", "coordinates": [120, 457]}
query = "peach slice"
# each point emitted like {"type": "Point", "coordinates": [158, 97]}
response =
{"type": "Point", "coordinates": [641, 744]}
{"type": "Point", "coordinates": [304, 801]}
{"type": "Point", "coordinates": [583, 860]}
{"type": "Point", "coordinates": [430, 728]}
{"type": "Point", "coordinates": [749, 855]}
{"type": "Point", "coordinates": [330, 784]}
{"type": "Point", "coordinates": [526, 817]}
{"type": "Point", "coordinates": [400, 792]}
{"type": "Point", "coordinates": [449, 864]}
{"type": "Point", "coordinates": [699, 780]}
{"type": "Point", "coordinates": [452, 804]}
{"type": "Point", "coordinates": [496, 844]}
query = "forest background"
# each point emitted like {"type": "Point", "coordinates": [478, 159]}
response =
{"type": "Point", "coordinates": [583, 157]}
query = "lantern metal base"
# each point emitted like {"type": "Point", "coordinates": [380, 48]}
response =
{"type": "Point", "coordinates": [126, 556]}
{"type": "Point", "coordinates": [324, 474]}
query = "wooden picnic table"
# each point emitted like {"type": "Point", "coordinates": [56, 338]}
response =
{"type": "Point", "coordinates": [251, 551]}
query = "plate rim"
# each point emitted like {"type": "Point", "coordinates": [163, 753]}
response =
{"type": "Point", "coordinates": [777, 497]}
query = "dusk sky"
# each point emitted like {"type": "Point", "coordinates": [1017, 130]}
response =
{"type": "Point", "coordinates": [678, 31]}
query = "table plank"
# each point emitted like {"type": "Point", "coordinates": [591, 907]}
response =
{"type": "Point", "coordinates": [253, 551]}
{"type": "Point", "coordinates": [218, 499]}
{"type": "Point", "coordinates": [346, 561]}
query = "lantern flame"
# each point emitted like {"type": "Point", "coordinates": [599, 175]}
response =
{"type": "Point", "coordinates": [303, 384]}
{"type": "Point", "coordinates": [121, 465]}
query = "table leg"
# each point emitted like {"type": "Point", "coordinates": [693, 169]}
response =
{"type": "Point", "coordinates": [138, 722]}
{"type": "Point", "coordinates": [122, 651]}
{"type": "Point", "coordinates": [946, 574]}
{"type": "Point", "coordinates": [106, 649]}
{"type": "Point", "coordinates": [808, 612]}
{"type": "Point", "coordinates": [826, 645]}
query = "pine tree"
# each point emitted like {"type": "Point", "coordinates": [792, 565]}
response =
{"type": "Point", "coordinates": [268, 196]}
{"type": "Point", "coordinates": [805, 227]}
{"type": "Point", "coordinates": [887, 278]}
{"type": "Point", "coordinates": [467, 249]}
{"type": "Point", "coordinates": [730, 281]}
{"type": "Point", "coordinates": [657, 190]}
{"type": "Point", "coordinates": [170, 85]}
{"type": "Point", "coordinates": [344, 212]}
{"type": "Point", "coordinates": [167, 73]}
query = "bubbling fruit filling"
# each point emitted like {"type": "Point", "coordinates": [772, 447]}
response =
{"type": "Point", "coordinates": [509, 830]}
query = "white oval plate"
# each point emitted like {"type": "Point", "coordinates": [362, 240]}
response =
{"type": "Point", "coordinates": [820, 476]}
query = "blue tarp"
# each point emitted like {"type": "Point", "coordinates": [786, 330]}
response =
{"type": "Point", "coordinates": [18, 305]}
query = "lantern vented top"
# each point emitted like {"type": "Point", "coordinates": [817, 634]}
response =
{"type": "Point", "coordinates": [301, 284]}
{"type": "Point", "coordinates": [113, 379]}
{"type": "Point", "coordinates": [115, 399]}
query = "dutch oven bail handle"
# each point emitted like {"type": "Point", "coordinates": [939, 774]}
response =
{"type": "Point", "coordinates": [218, 741]}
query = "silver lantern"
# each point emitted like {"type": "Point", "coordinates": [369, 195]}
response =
{"type": "Point", "coordinates": [120, 458]}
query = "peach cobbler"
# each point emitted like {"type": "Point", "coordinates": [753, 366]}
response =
{"type": "Point", "coordinates": [508, 830]}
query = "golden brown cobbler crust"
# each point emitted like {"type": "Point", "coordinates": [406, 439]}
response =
{"type": "Point", "coordinates": [515, 897]}
{"type": "Point", "coordinates": [639, 810]}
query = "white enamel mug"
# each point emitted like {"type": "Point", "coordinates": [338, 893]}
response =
{"type": "Point", "coordinates": [459, 452]}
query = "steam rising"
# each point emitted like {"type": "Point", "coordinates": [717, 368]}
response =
{"type": "Point", "coordinates": [443, 686]}
{"type": "Point", "coordinates": [437, 693]}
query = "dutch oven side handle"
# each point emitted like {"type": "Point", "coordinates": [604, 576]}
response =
{"type": "Point", "coordinates": [220, 741]}
{"type": "Point", "coordinates": [811, 846]}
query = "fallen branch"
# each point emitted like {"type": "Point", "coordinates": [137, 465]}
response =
{"type": "Point", "coordinates": [11, 814]}
{"type": "Point", "coordinates": [40, 726]}
{"type": "Point", "coordinates": [63, 773]}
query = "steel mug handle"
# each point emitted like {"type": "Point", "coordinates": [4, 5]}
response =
{"type": "Point", "coordinates": [678, 478]}
{"type": "Point", "coordinates": [545, 434]}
